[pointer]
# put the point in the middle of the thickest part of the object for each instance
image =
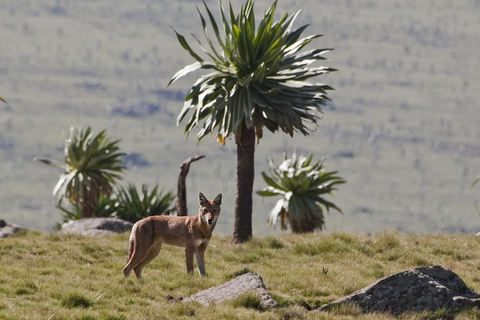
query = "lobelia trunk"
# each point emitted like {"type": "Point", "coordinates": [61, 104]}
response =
{"type": "Point", "coordinates": [88, 209]}
{"type": "Point", "coordinates": [89, 203]}
{"type": "Point", "coordinates": [242, 229]}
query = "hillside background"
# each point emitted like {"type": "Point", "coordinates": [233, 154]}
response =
{"type": "Point", "coordinates": [402, 128]}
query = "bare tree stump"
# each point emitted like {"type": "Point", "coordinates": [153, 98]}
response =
{"type": "Point", "coordinates": [181, 205]}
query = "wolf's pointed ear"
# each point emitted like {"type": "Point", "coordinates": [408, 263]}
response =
{"type": "Point", "coordinates": [201, 199]}
{"type": "Point", "coordinates": [218, 199]}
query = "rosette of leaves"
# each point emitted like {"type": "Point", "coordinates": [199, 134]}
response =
{"type": "Point", "coordinates": [133, 205]}
{"type": "Point", "coordinates": [302, 186]}
{"type": "Point", "coordinates": [257, 76]}
{"type": "Point", "coordinates": [93, 166]}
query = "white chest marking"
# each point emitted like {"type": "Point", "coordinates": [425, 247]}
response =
{"type": "Point", "coordinates": [197, 243]}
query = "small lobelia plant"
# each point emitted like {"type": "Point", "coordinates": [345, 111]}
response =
{"type": "Point", "coordinates": [302, 186]}
{"type": "Point", "coordinates": [133, 205]}
{"type": "Point", "coordinates": [93, 166]}
{"type": "Point", "coordinates": [127, 203]}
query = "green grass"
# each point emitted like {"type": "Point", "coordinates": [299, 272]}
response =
{"type": "Point", "coordinates": [75, 277]}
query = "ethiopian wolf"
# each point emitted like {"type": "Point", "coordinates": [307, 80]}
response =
{"type": "Point", "coordinates": [191, 232]}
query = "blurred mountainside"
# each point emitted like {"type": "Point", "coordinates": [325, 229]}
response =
{"type": "Point", "coordinates": [402, 127]}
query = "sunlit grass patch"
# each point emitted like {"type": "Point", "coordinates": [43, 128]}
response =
{"type": "Point", "coordinates": [273, 243]}
{"type": "Point", "coordinates": [385, 241]}
{"type": "Point", "coordinates": [323, 246]}
{"type": "Point", "coordinates": [26, 287]}
{"type": "Point", "coordinates": [76, 300]}
{"type": "Point", "coordinates": [346, 309]}
{"type": "Point", "coordinates": [247, 300]}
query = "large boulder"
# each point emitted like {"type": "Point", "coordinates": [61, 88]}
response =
{"type": "Point", "coordinates": [96, 226]}
{"type": "Point", "coordinates": [248, 282]}
{"type": "Point", "coordinates": [7, 229]}
{"type": "Point", "coordinates": [427, 288]}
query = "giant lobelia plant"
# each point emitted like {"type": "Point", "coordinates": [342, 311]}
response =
{"type": "Point", "coordinates": [257, 76]}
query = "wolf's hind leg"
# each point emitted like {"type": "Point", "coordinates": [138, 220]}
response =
{"type": "Point", "coordinates": [152, 253]}
{"type": "Point", "coordinates": [138, 255]}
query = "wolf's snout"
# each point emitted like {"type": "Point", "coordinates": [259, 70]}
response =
{"type": "Point", "coordinates": [210, 221]}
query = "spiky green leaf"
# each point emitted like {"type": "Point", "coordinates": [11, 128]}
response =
{"type": "Point", "coordinates": [475, 182]}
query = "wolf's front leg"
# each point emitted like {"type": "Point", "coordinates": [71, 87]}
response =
{"type": "Point", "coordinates": [189, 252]}
{"type": "Point", "coordinates": [200, 255]}
{"type": "Point", "coordinates": [200, 262]}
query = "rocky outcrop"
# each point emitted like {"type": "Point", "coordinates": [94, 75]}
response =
{"type": "Point", "coordinates": [96, 226]}
{"type": "Point", "coordinates": [428, 288]}
{"type": "Point", "coordinates": [7, 229]}
{"type": "Point", "coordinates": [248, 282]}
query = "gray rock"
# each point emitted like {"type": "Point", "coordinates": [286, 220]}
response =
{"type": "Point", "coordinates": [427, 288]}
{"type": "Point", "coordinates": [248, 282]}
{"type": "Point", "coordinates": [7, 229]}
{"type": "Point", "coordinates": [96, 226]}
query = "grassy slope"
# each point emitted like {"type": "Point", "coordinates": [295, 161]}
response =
{"type": "Point", "coordinates": [402, 128]}
{"type": "Point", "coordinates": [75, 277]}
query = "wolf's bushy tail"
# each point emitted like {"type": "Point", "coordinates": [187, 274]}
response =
{"type": "Point", "coordinates": [131, 243]}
